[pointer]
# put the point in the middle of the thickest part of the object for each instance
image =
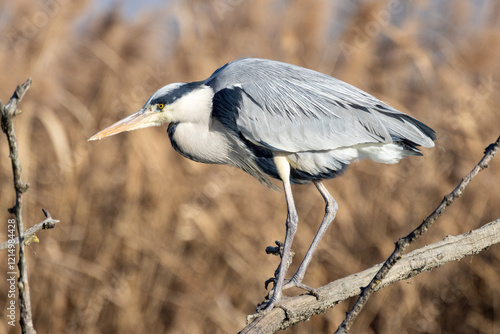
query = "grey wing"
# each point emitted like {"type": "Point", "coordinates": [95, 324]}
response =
{"type": "Point", "coordinates": [290, 108]}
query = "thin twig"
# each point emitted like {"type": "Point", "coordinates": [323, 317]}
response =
{"type": "Point", "coordinates": [403, 243]}
{"type": "Point", "coordinates": [8, 112]}
{"type": "Point", "coordinates": [30, 233]}
{"type": "Point", "coordinates": [452, 248]}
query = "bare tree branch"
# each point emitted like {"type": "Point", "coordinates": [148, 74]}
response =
{"type": "Point", "coordinates": [8, 113]}
{"type": "Point", "coordinates": [452, 248]}
{"type": "Point", "coordinates": [301, 308]}
{"type": "Point", "coordinates": [30, 233]}
{"type": "Point", "coordinates": [403, 243]}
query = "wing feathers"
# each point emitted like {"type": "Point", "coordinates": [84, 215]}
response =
{"type": "Point", "coordinates": [290, 108]}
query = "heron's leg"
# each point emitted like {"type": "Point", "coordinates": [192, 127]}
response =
{"type": "Point", "coordinates": [330, 211]}
{"type": "Point", "coordinates": [291, 227]}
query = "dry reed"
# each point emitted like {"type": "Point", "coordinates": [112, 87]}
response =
{"type": "Point", "coordinates": [152, 242]}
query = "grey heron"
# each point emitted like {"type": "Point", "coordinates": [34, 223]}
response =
{"type": "Point", "coordinates": [279, 121]}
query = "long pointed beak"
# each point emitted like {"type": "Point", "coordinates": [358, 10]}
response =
{"type": "Point", "coordinates": [141, 119]}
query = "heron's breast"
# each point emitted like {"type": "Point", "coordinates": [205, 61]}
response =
{"type": "Point", "coordinates": [196, 142]}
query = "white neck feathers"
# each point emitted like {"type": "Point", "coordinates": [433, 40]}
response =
{"type": "Point", "coordinates": [194, 107]}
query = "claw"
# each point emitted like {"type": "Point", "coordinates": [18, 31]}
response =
{"type": "Point", "coordinates": [271, 280]}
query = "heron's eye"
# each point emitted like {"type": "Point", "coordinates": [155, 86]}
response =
{"type": "Point", "coordinates": [161, 106]}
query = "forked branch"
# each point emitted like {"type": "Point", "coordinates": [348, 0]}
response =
{"type": "Point", "coordinates": [9, 111]}
{"type": "Point", "coordinates": [403, 243]}
{"type": "Point", "coordinates": [452, 248]}
{"type": "Point", "coordinates": [30, 234]}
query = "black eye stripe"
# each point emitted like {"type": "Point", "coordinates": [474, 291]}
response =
{"type": "Point", "coordinates": [170, 96]}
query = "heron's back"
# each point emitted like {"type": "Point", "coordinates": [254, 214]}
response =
{"type": "Point", "coordinates": [320, 123]}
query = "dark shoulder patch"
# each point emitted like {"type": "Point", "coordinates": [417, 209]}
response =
{"type": "Point", "coordinates": [226, 106]}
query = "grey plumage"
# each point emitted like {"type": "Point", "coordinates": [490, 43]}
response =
{"type": "Point", "coordinates": [287, 108]}
{"type": "Point", "coordinates": [290, 108]}
{"type": "Point", "coordinates": [280, 121]}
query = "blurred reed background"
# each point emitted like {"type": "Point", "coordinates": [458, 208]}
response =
{"type": "Point", "coordinates": [150, 242]}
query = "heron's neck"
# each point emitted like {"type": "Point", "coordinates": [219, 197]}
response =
{"type": "Point", "coordinates": [200, 142]}
{"type": "Point", "coordinates": [195, 107]}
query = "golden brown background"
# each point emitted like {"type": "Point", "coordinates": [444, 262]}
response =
{"type": "Point", "coordinates": [150, 242]}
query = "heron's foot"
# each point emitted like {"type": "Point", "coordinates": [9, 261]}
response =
{"type": "Point", "coordinates": [270, 302]}
{"type": "Point", "coordinates": [273, 298]}
{"type": "Point", "coordinates": [289, 313]}
{"type": "Point", "coordinates": [294, 282]}
{"type": "Point", "coordinates": [277, 251]}
{"type": "Point", "coordinates": [267, 305]}
{"type": "Point", "coordinates": [263, 308]}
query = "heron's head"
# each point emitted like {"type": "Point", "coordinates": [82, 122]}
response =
{"type": "Point", "coordinates": [177, 102]}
